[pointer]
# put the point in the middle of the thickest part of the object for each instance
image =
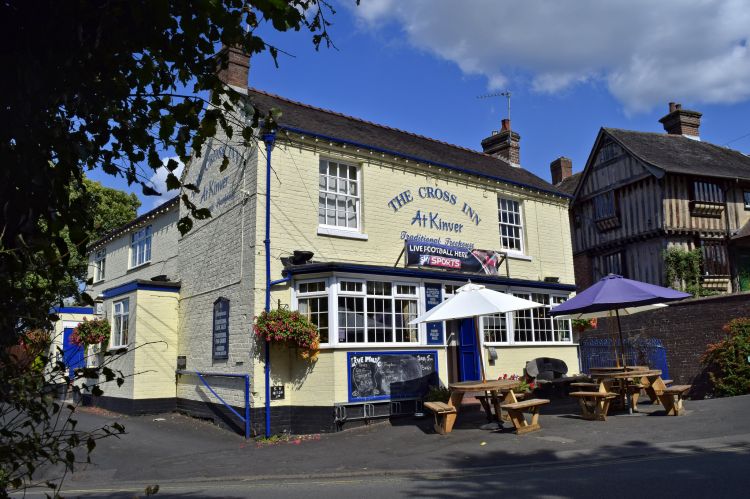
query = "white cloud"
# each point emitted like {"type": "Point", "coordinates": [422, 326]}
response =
{"type": "Point", "coordinates": [159, 182]}
{"type": "Point", "coordinates": [646, 52]}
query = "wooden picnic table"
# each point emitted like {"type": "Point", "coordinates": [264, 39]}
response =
{"type": "Point", "coordinates": [500, 392]}
{"type": "Point", "coordinates": [648, 379]}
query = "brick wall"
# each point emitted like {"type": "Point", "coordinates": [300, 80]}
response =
{"type": "Point", "coordinates": [582, 264]}
{"type": "Point", "coordinates": [685, 329]}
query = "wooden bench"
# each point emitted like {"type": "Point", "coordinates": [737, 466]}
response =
{"type": "Point", "coordinates": [672, 399]}
{"type": "Point", "coordinates": [516, 410]}
{"type": "Point", "coordinates": [486, 401]}
{"type": "Point", "coordinates": [445, 416]}
{"type": "Point", "coordinates": [594, 405]}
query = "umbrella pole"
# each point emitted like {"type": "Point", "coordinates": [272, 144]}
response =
{"type": "Point", "coordinates": [622, 342]}
{"type": "Point", "coordinates": [479, 349]}
{"type": "Point", "coordinates": [628, 395]}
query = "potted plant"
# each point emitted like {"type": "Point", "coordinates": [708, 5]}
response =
{"type": "Point", "coordinates": [290, 328]}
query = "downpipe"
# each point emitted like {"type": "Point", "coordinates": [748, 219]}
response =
{"type": "Point", "coordinates": [269, 140]}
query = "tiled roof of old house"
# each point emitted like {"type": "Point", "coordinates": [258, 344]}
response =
{"type": "Point", "coordinates": [679, 154]}
{"type": "Point", "coordinates": [313, 121]}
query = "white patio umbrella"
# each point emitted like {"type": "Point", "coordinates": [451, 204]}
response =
{"type": "Point", "coordinates": [473, 301]}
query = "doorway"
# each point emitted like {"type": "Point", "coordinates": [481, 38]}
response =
{"type": "Point", "coordinates": [468, 352]}
{"type": "Point", "coordinates": [72, 354]}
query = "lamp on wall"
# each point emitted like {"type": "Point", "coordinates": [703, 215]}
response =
{"type": "Point", "coordinates": [300, 257]}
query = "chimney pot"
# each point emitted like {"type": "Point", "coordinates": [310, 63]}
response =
{"type": "Point", "coordinates": [561, 168]}
{"type": "Point", "coordinates": [682, 121]}
{"type": "Point", "coordinates": [237, 68]}
{"type": "Point", "coordinates": [506, 125]}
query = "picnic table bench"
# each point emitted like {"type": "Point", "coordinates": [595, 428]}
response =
{"type": "Point", "coordinates": [487, 401]}
{"type": "Point", "coordinates": [594, 404]}
{"type": "Point", "coordinates": [445, 416]}
{"type": "Point", "coordinates": [674, 395]}
{"type": "Point", "coordinates": [516, 410]}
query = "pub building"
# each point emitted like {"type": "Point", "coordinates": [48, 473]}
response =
{"type": "Point", "coordinates": [368, 227]}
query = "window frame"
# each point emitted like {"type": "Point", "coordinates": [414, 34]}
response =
{"type": "Point", "coordinates": [746, 198]}
{"type": "Point", "coordinates": [306, 295]}
{"type": "Point", "coordinates": [100, 265]}
{"type": "Point", "coordinates": [358, 198]}
{"type": "Point", "coordinates": [705, 195]}
{"type": "Point", "coordinates": [510, 319]}
{"type": "Point", "coordinates": [609, 198]}
{"type": "Point", "coordinates": [117, 322]}
{"type": "Point", "coordinates": [521, 226]}
{"type": "Point", "coordinates": [140, 241]}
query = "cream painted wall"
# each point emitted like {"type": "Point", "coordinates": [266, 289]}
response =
{"type": "Point", "coordinates": [512, 360]}
{"type": "Point", "coordinates": [124, 362]}
{"type": "Point", "coordinates": [156, 344]}
{"type": "Point", "coordinates": [294, 213]}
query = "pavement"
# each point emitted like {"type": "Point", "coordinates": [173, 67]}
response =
{"type": "Point", "coordinates": [188, 457]}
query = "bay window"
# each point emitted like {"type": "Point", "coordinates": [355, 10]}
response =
{"type": "Point", "coordinates": [312, 302]}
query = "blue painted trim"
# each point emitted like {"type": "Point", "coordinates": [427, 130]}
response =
{"type": "Point", "coordinates": [131, 286]}
{"type": "Point", "coordinates": [426, 161]}
{"type": "Point", "coordinates": [349, 356]}
{"type": "Point", "coordinates": [269, 139]}
{"type": "Point", "coordinates": [73, 310]}
{"type": "Point", "coordinates": [423, 274]}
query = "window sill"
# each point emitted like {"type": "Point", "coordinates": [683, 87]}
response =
{"type": "Point", "coordinates": [347, 234]}
{"type": "Point", "coordinates": [532, 344]}
{"type": "Point", "coordinates": [138, 267]}
{"type": "Point", "coordinates": [360, 346]}
{"type": "Point", "coordinates": [519, 256]}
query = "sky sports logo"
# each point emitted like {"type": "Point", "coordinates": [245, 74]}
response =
{"type": "Point", "coordinates": [439, 261]}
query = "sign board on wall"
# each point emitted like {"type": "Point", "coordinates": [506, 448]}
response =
{"type": "Point", "coordinates": [391, 375]}
{"type": "Point", "coordinates": [425, 254]}
{"type": "Point", "coordinates": [433, 296]}
{"type": "Point", "coordinates": [220, 350]}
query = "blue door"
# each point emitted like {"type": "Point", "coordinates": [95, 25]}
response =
{"type": "Point", "coordinates": [72, 354]}
{"type": "Point", "coordinates": [468, 351]}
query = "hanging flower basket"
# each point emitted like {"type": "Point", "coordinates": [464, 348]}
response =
{"type": "Point", "coordinates": [289, 328]}
{"type": "Point", "coordinates": [91, 333]}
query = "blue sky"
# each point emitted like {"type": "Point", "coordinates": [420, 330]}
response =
{"type": "Point", "coordinates": [572, 68]}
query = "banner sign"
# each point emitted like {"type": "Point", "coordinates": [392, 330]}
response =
{"type": "Point", "coordinates": [433, 296]}
{"type": "Point", "coordinates": [425, 254]}
{"type": "Point", "coordinates": [221, 329]}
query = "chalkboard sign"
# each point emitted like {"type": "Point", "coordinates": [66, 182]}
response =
{"type": "Point", "coordinates": [391, 375]}
{"type": "Point", "coordinates": [433, 296]}
{"type": "Point", "coordinates": [221, 329]}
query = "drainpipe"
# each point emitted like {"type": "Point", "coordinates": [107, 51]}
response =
{"type": "Point", "coordinates": [268, 139]}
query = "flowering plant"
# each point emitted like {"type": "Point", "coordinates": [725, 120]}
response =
{"type": "Point", "coordinates": [91, 333]}
{"type": "Point", "coordinates": [581, 325]}
{"type": "Point", "coordinates": [289, 327]}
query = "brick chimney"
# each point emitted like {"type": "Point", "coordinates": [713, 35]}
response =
{"type": "Point", "coordinates": [682, 122]}
{"type": "Point", "coordinates": [561, 168]}
{"type": "Point", "coordinates": [237, 67]}
{"type": "Point", "coordinates": [504, 144]}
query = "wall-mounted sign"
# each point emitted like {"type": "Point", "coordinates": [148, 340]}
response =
{"type": "Point", "coordinates": [220, 350]}
{"type": "Point", "coordinates": [391, 375]}
{"type": "Point", "coordinates": [434, 219]}
{"type": "Point", "coordinates": [277, 392]}
{"type": "Point", "coordinates": [433, 296]}
{"type": "Point", "coordinates": [423, 254]}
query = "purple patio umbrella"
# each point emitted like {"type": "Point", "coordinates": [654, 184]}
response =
{"type": "Point", "coordinates": [616, 294]}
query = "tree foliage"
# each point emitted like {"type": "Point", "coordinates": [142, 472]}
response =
{"type": "Point", "coordinates": [109, 85]}
{"type": "Point", "coordinates": [728, 361]}
{"type": "Point", "coordinates": [38, 432]}
{"type": "Point", "coordinates": [682, 269]}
